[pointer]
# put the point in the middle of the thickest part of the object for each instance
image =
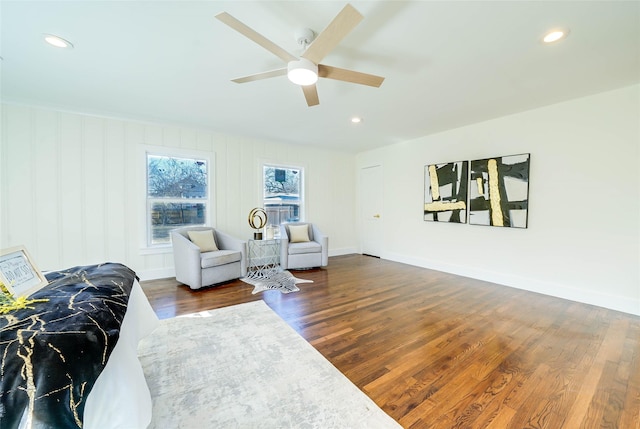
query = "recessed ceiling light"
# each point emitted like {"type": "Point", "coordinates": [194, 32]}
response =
{"type": "Point", "coordinates": [555, 35]}
{"type": "Point", "coordinates": [356, 119]}
{"type": "Point", "coordinates": [57, 41]}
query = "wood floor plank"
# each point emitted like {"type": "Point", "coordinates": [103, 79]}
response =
{"type": "Point", "coordinates": [499, 419]}
{"type": "Point", "coordinates": [587, 410]}
{"type": "Point", "coordinates": [440, 351]}
{"type": "Point", "coordinates": [631, 408]}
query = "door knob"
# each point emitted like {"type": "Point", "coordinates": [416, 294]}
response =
{"type": "Point", "coordinates": [377, 216]}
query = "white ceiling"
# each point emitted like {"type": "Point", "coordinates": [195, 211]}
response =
{"type": "Point", "coordinates": [446, 63]}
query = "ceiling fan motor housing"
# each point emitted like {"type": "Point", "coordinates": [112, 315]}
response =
{"type": "Point", "coordinates": [304, 37]}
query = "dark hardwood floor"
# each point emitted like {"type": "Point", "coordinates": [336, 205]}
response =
{"type": "Point", "coordinates": [436, 350]}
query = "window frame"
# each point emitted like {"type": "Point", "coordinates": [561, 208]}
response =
{"type": "Point", "coordinates": [302, 186]}
{"type": "Point", "coordinates": [147, 247]}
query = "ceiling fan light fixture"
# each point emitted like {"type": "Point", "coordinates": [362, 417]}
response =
{"type": "Point", "coordinates": [302, 72]}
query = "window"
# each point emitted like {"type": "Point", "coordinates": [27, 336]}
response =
{"type": "Point", "coordinates": [283, 196]}
{"type": "Point", "coordinates": [177, 195]}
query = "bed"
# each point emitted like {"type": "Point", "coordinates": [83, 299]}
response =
{"type": "Point", "coordinates": [72, 362]}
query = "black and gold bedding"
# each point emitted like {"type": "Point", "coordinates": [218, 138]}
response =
{"type": "Point", "coordinates": [51, 355]}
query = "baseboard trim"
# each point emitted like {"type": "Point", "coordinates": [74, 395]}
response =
{"type": "Point", "coordinates": [168, 272]}
{"type": "Point", "coordinates": [157, 273]}
{"type": "Point", "coordinates": [343, 251]}
{"type": "Point", "coordinates": [612, 302]}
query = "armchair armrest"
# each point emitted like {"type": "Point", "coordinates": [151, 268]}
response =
{"type": "Point", "coordinates": [228, 242]}
{"type": "Point", "coordinates": [323, 240]}
{"type": "Point", "coordinates": [284, 247]}
{"type": "Point", "coordinates": [186, 258]}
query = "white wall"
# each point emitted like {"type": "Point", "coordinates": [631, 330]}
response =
{"type": "Point", "coordinates": [73, 186]}
{"type": "Point", "coordinates": [71, 192]}
{"type": "Point", "coordinates": [583, 238]}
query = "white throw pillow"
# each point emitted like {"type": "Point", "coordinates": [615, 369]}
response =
{"type": "Point", "coordinates": [204, 240]}
{"type": "Point", "coordinates": [299, 233]}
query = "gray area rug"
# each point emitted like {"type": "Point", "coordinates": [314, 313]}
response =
{"type": "Point", "coordinates": [283, 281]}
{"type": "Point", "coordinates": [244, 367]}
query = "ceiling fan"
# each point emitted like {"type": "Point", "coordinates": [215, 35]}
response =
{"type": "Point", "coordinates": [306, 70]}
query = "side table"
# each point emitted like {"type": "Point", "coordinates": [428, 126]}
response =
{"type": "Point", "coordinates": [263, 258]}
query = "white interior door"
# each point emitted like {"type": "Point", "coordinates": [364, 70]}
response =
{"type": "Point", "coordinates": [371, 210]}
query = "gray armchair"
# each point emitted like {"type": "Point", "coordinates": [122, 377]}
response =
{"type": "Point", "coordinates": [197, 268]}
{"type": "Point", "coordinates": [298, 251]}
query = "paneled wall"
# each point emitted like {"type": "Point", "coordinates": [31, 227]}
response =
{"type": "Point", "coordinates": [583, 238]}
{"type": "Point", "coordinates": [72, 186]}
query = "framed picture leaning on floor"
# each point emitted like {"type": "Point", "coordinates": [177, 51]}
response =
{"type": "Point", "coordinates": [18, 272]}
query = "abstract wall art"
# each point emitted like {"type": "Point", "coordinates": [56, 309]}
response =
{"type": "Point", "coordinates": [499, 191]}
{"type": "Point", "coordinates": [445, 198]}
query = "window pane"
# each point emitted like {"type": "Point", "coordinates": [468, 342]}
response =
{"type": "Point", "coordinates": [282, 194]}
{"type": "Point", "coordinates": [177, 195]}
{"type": "Point", "coordinates": [280, 213]}
{"type": "Point", "coordinates": [168, 216]}
{"type": "Point", "coordinates": [169, 177]}
{"type": "Point", "coordinates": [281, 182]}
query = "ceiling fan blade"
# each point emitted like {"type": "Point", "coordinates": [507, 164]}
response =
{"type": "Point", "coordinates": [255, 36]}
{"type": "Point", "coordinates": [259, 76]}
{"type": "Point", "coordinates": [311, 95]}
{"type": "Point", "coordinates": [349, 76]}
{"type": "Point", "coordinates": [329, 38]}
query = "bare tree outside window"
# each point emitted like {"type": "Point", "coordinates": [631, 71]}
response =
{"type": "Point", "coordinates": [177, 194]}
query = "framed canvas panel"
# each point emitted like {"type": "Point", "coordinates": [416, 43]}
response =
{"type": "Point", "coordinates": [18, 272]}
{"type": "Point", "coordinates": [445, 198]}
{"type": "Point", "coordinates": [499, 191]}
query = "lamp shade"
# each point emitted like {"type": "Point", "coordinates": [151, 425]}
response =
{"type": "Point", "coordinates": [302, 72]}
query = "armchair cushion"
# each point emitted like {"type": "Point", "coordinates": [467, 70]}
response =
{"type": "Point", "coordinates": [302, 248]}
{"type": "Point", "coordinates": [299, 233]}
{"type": "Point", "coordinates": [204, 240]}
{"type": "Point", "coordinates": [219, 257]}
